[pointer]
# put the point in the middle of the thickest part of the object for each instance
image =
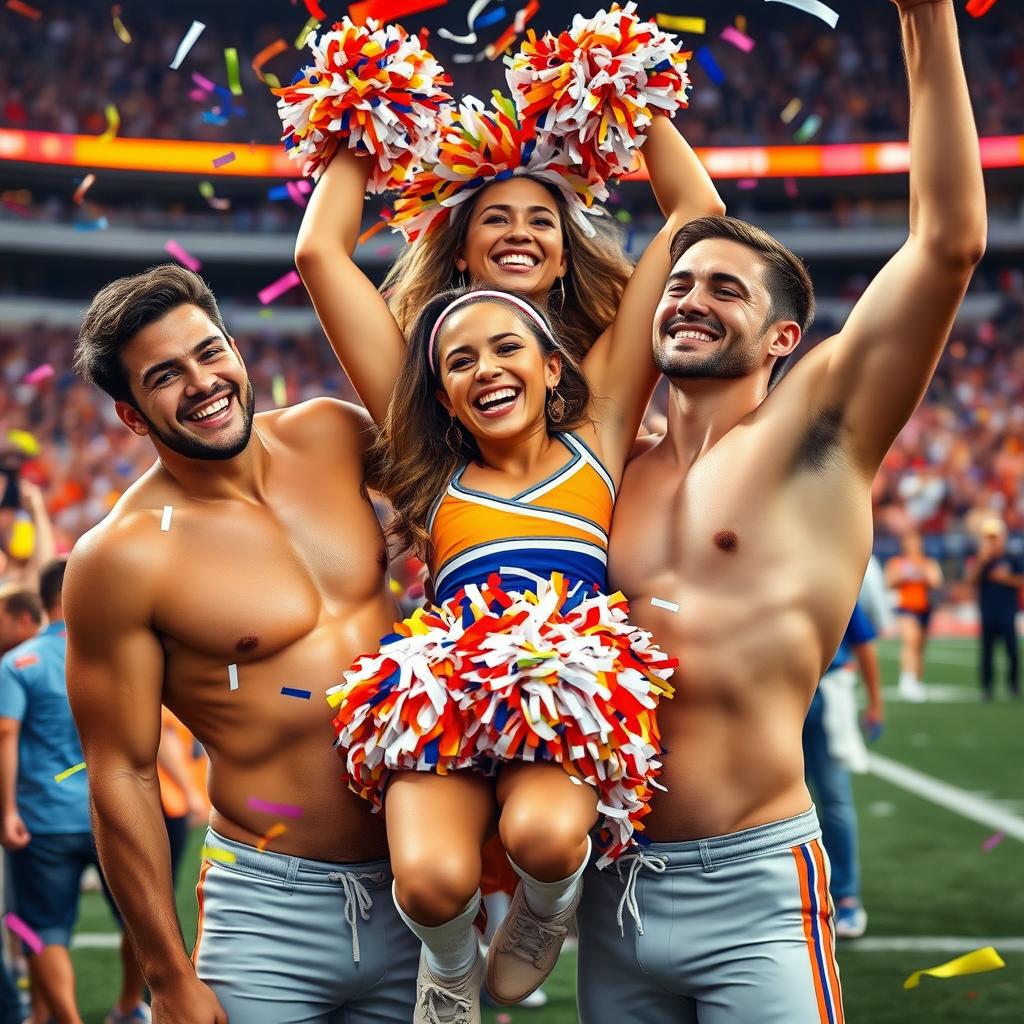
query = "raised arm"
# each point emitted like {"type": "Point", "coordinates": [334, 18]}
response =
{"type": "Point", "coordinates": [876, 370]}
{"type": "Point", "coordinates": [620, 366]}
{"type": "Point", "coordinates": [115, 669]}
{"type": "Point", "coordinates": [354, 315]}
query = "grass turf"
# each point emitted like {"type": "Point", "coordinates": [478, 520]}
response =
{"type": "Point", "coordinates": [924, 870]}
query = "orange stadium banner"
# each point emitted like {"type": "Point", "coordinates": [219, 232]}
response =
{"type": "Point", "coordinates": [246, 159]}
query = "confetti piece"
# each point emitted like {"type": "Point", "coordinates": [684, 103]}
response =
{"type": "Point", "coordinates": [682, 23]}
{"type": "Point", "coordinates": [490, 18]}
{"type": "Point", "coordinates": [281, 810]}
{"type": "Point", "coordinates": [203, 82]}
{"type": "Point", "coordinates": [227, 158]}
{"type": "Point", "coordinates": [738, 39]}
{"type": "Point", "coordinates": [113, 122]}
{"type": "Point", "coordinates": [99, 224]}
{"type": "Point", "coordinates": [311, 26]}
{"type": "Point", "coordinates": [976, 8]}
{"type": "Point", "coordinates": [87, 182]}
{"type": "Point", "coordinates": [741, 22]}
{"type": "Point", "coordinates": [670, 606]}
{"type": "Point", "coordinates": [266, 54]}
{"type": "Point", "coordinates": [295, 194]}
{"type": "Point", "coordinates": [746, 184]}
{"type": "Point", "coordinates": [290, 691]}
{"type": "Point", "coordinates": [211, 118]}
{"type": "Point", "coordinates": [791, 189]}
{"type": "Point", "coordinates": [993, 841]}
{"type": "Point", "coordinates": [68, 772]}
{"type": "Point", "coordinates": [122, 33]}
{"type": "Point", "coordinates": [370, 232]}
{"type": "Point", "coordinates": [387, 10]}
{"type": "Point", "coordinates": [194, 32]}
{"type": "Point", "coordinates": [39, 374]}
{"type": "Point", "coordinates": [710, 65]}
{"type": "Point", "coordinates": [231, 63]}
{"type": "Point", "coordinates": [791, 109]}
{"type": "Point", "coordinates": [277, 288]}
{"type": "Point", "coordinates": [508, 37]}
{"type": "Point", "coordinates": [809, 128]}
{"type": "Point", "coordinates": [279, 392]}
{"type": "Point", "coordinates": [978, 962]}
{"type": "Point", "coordinates": [819, 10]}
{"type": "Point", "coordinates": [277, 829]}
{"type": "Point", "coordinates": [16, 925]}
{"type": "Point", "coordinates": [506, 1018]}
{"type": "Point", "coordinates": [165, 519]}
{"type": "Point", "coordinates": [215, 853]}
{"type": "Point", "coordinates": [179, 253]}
{"type": "Point", "coordinates": [232, 677]}
{"type": "Point", "coordinates": [24, 442]}
{"type": "Point", "coordinates": [29, 12]}
{"type": "Point", "coordinates": [470, 38]}
{"type": "Point", "coordinates": [315, 10]}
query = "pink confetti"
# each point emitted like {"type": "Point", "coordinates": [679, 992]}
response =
{"type": "Point", "coordinates": [296, 193]}
{"type": "Point", "coordinates": [791, 189]}
{"type": "Point", "coordinates": [277, 288]}
{"type": "Point", "coordinates": [39, 374]}
{"type": "Point", "coordinates": [993, 841]}
{"type": "Point", "coordinates": [747, 184]}
{"type": "Point", "coordinates": [738, 39]}
{"type": "Point", "coordinates": [22, 930]}
{"type": "Point", "coordinates": [183, 257]}
{"type": "Point", "coordinates": [203, 82]}
{"type": "Point", "coordinates": [280, 810]}
{"type": "Point", "coordinates": [227, 158]}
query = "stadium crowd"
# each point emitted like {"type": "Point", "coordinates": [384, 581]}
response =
{"type": "Point", "coordinates": [960, 458]}
{"type": "Point", "coordinates": [846, 78]}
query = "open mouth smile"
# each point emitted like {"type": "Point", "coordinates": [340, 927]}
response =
{"type": "Point", "coordinates": [214, 413]}
{"type": "Point", "coordinates": [497, 401]}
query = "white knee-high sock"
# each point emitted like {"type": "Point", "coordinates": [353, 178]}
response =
{"type": "Point", "coordinates": [547, 899]}
{"type": "Point", "coordinates": [452, 947]}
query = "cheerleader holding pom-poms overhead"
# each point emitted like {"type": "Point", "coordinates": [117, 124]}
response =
{"type": "Point", "coordinates": [525, 690]}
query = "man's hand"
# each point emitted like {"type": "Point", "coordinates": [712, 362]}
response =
{"type": "Point", "coordinates": [15, 835]}
{"type": "Point", "coordinates": [873, 722]}
{"type": "Point", "coordinates": [187, 1002]}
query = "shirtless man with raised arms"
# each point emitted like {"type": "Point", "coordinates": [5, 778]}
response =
{"type": "Point", "coordinates": [246, 562]}
{"type": "Point", "coordinates": [741, 539]}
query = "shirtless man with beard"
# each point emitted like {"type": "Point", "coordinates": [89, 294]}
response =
{"type": "Point", "coordinates": [741, 539]}
{"type": "Point", "coordinates": [233, 582]}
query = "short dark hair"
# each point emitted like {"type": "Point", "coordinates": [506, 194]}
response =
{"type": "Point", "coordinates": [786, 277]}
{"type": "Point", "coordinates": [17, 601]}
{"type": "Point", "coordinates": [126, 306]}
{"type": "Point", "coordinates": [51, 582]}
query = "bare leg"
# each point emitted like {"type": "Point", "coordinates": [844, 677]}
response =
{"type": "Point", "coordinates": [52, 974]}
{"type": "Point", "coordinates": [910, 637]}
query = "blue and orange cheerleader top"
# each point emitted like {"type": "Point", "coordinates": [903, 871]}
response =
{"type": "Point", "coordinates": [524, 657]}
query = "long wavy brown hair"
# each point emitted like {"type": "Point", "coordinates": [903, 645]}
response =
{"type": "Point", "coordinates": [598, 272]}
{"type": "Point", "coordinates": [415, 462]}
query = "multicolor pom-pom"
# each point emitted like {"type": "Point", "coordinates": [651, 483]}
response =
{"type": "Point", "coordinates": [497, 675]}
{"type": "Point", "coordinates": [376, 90]}
{"type": "Point", "coordinates": [477, 146]}
{"type": "Point", "coordinates": [594, 88]}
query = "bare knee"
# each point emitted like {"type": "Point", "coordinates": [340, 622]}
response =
{"type": "Point", "coordinates": [434, 885]}
{"type": "Point", "coordinates": [548, 846]}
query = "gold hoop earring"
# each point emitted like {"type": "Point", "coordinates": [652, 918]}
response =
{"type": "Point", "coordinates": [556, 406]}
{"type": "Point", "coordinates": [453, 442]}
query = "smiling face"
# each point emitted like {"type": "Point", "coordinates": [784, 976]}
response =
{"type": "Point", "coordinates": [190, 388]}
{"type": "Point", "coordinates": [713, 318]}
{"type": "Point", "coordinates": [514, 239]}
{"type": "Point", "coordinates": [494, 373]}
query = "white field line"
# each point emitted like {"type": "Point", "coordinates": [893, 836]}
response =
{"type": "Point", "coordinates": [959, 801]}
{"type": "Point", "coordinates": [96, 940]}
{"type": "Point", "coordinates": [924, 943]}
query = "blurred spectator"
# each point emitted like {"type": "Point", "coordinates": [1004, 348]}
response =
{"type": "Point", "coordinates": [21, 615]}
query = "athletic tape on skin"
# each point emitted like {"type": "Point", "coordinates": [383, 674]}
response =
{"type": "Point", "coordinates": [525, 307]}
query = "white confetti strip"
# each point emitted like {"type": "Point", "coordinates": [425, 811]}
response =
{"type": "Point", "coordinates": [815, 7]}
{"type": "Point", "coordinates": [165, 522]}
{"type": "Point", "coordinates": [187, 43]}
{"type": "Point", "coordinates": [670, 606]}
{"type": "Point", "coordinates": [233, 677]}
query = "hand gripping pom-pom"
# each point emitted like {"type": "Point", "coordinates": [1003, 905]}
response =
{"type": "Point", "coordinates": [476, 146]}
{"type": "Point", "coordinates": [375, 90]}
{"type": "Point", "coordinates": [597, 86]}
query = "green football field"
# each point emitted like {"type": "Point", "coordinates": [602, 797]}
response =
{"type": "Point", "coordinates": [932, 889]}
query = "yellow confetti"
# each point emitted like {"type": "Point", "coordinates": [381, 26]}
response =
{"type": "Point", "coordinates": [68, 772]}
{"type": "Point", "coordinates": [741, 22]}
{"type": "Point", "coordinates": [231, 62]}
{"type": "Point", "coordinates": [122, 33]}
{"type": "Point", "coordinates": [683, 23]}
{"type": "Point", "coordinates": [24, 441]}
{"type": "Point", "coordinates": [791, 109]}
{"type": "Point", "coordinates": [214, 853]}
{"type": "Point", "coordinates": [279, 390]}
{"type": "Point", "coordinates": [113, 123]}
{"type": "Point", "coordinates": [311, 26]}
{"type": "Point", "coordinates": [273, 832]}
{"type": "Point", "coordinates": [978, 962]}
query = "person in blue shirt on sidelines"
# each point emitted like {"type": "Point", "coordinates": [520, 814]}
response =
{"type": "Point", "coordinates": [832, 749]}
{"type": "Point", "coordinates": [45, 823]}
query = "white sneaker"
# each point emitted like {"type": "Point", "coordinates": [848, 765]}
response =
{"type": "Point", "coordinates": [913, 690]}
{"type": "Point", "coordinates": [448, 1000]}
{"type": "Point", "coordinates": [850, 922]}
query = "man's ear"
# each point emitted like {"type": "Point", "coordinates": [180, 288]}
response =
{"type": "Point", "coordinates": [787, 337]}
{"type": "Point", "coordinates": [131, 418]}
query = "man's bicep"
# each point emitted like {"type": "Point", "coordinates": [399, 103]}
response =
{"type": "Point", "coordinates": [882, 360]}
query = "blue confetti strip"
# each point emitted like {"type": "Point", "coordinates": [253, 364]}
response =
{"type": "Point", "coordinates": [710, 65]}
{"type": "Point", "coordinates": [289, 691]}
